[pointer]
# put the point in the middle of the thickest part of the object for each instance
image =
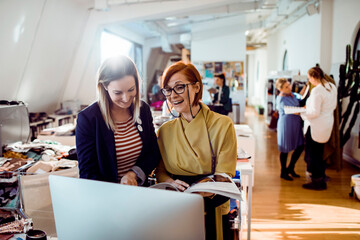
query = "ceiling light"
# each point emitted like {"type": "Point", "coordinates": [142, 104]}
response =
{"type": "Point", "coordinates": [172, 24]}
{"type": "Point", "coordinates": [170, 18]}
{"type": "Point", "coordinates": [311, 9]}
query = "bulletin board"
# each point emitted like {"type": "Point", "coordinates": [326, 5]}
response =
{"type": "Point", "coordinates": [234, 72]}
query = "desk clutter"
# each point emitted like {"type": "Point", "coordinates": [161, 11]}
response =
{"type": "Point", "coordinates": [27, 159]}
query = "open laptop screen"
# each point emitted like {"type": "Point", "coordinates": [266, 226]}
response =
{"type": "Point", "coordinates": [94, 210]}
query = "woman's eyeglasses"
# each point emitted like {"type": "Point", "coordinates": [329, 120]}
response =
{"type": "Point", "coordinates": [178, 89]}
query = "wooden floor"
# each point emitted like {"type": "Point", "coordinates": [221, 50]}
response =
{"type": "Point", "coordinates": [284, 210]}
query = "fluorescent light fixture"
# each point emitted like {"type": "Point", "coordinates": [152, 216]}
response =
{"type": "Point", "coordinates": [170, 18]}
{"type": "Point", "coordinates": [172, 24]}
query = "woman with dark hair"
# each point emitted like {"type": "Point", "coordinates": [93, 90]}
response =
{"type": "Point", "coordinates": [198, 143]}
{"type": "Point", "coordinates": [221, 98]}
{"type": "Point", "coordinates": [289, 129]}
{"type": "Point", "coordinates": [318, 125]}
{"type": "Point", "coordinates": [115, 137]}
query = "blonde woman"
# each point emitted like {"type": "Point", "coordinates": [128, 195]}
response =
{"type": "Point", "coordinates": [289, 130]}
{"type": "Point", "coordinates": [115, 137]}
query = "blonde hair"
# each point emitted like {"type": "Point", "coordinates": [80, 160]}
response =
{"type": "Point", "coordinates": [280, 83]}
{"type": "Point", "coordinates": [113, 69]}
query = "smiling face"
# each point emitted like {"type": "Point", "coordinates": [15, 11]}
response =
{"type": "Point", "coordinates": [286, 88]}
{"type": "Point", "coordinates": [122, 92]}
{"type": "Point", "coordinates": [180, 101]}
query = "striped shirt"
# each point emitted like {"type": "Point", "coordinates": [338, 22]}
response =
{"type": "Point", "coordinates": [128, 146]}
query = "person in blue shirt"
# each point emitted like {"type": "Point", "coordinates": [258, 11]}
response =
{"type": "Point", "coordinates": [289, 129]}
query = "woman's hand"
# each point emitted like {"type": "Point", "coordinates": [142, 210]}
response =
{"type": "Point", "coordinates": [182, 186]}
{"type": "Point", "coordinates": [129, 179]}
{"type": "Point", "coordinates": [212, 90]}
{"type": "Point", "coordinates": [303, 89]}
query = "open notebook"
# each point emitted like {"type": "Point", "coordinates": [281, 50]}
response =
{"type": "Point", "coordinates": [219, 183]}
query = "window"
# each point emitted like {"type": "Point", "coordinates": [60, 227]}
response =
{"type": "Point", "coordinates": [112, 44]}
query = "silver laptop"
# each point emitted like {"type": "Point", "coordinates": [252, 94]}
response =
{"type": "Point", "coordinates": [94, 210]}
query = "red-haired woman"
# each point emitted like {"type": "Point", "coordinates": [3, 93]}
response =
{"type": "Point", "coordinates": [190, 143]}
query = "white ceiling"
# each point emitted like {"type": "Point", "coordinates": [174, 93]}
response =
{"type": "Point", "coordinates": [262, 16]}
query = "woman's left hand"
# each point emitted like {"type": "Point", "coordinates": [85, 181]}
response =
{"type": "Point", "coordinates": [129, 179]}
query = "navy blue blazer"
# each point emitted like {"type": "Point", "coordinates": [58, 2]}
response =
{"type": "Point", "coordinates": [224, 98]}
{"type": "Point", "coordinates": [95, 144]}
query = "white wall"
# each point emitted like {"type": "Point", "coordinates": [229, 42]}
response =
{"type": "Point", "coordinates": [345, 19]}
{"type": "Point", "coordinates": [302, 42]}
{"type": "Point", "coordinates": [326, 15]}
{"type": "Point", "coordinates": [257, 76]}
{"type": "Point", "coordinates": [17, 33]}
{"type": "Point", "coordinates": [37, 45]}
{"type": "Point", "coordinates": [219, 40]}
{"type": "Point", "coordinates": [250, 74]}
{"type": "Point", "coordinates": [305, 38]}
{"type": "Point", "coordinates": [219, 48]}
{"type": "Point", "coordinates": [301, 39]}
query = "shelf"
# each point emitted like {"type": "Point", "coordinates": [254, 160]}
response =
{"type": "Point", "coordinates": [37, 126]}
{"type": "Point", "coordinates": [46, 121]}
{"type": "Point", "coordinates": [62, 119]}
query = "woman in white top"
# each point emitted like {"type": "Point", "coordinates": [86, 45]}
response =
{"type": "Point", "coordinates": [318, 124]}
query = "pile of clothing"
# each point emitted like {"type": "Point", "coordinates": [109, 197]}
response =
{"type": "Point", "coordinates": [10, 220]}
{"type": "Point", "coordinates": [41, 150]}
{"type": "Point", "coordinates": [32, 158]}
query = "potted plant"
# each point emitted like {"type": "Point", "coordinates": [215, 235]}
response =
{"type": "Point", "coordinates": [260, 109]}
